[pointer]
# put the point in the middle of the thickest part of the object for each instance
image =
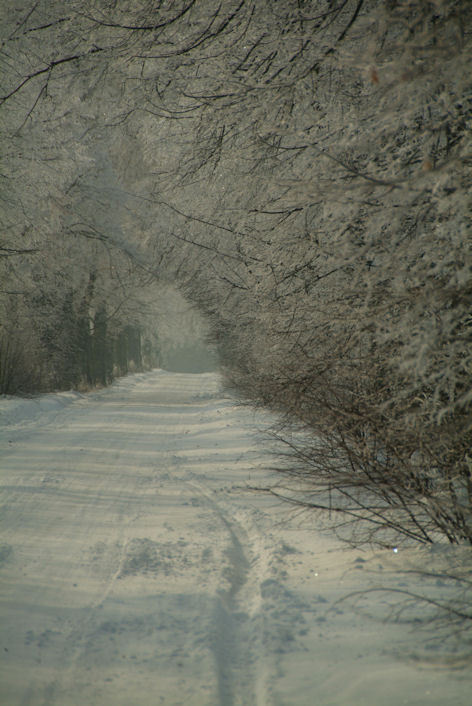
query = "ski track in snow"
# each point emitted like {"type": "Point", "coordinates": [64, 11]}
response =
{"type": "Point", "coordinates": [136, 569]}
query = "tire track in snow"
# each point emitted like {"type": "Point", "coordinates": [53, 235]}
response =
{"type": "Point", "coordinates": [237, 645]}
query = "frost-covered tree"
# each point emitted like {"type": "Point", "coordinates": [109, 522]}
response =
{"type": "Point", "coordinates": [302, 169]}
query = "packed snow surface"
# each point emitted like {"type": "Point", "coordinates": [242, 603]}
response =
{"type": "Point", "coordinates": [137, 567]}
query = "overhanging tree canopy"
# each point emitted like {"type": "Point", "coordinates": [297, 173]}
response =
{"type": "Point", "coordinates": [303, 170]}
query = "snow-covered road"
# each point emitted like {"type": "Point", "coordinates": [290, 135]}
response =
{"type": "Point", "coordinates": [136, 568]}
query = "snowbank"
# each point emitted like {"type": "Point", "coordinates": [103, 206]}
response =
{"type": "Point", "coordinates": [19, 412]}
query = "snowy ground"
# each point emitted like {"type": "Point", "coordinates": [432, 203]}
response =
{"type": "Point", "coordinates": [136, 568]}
